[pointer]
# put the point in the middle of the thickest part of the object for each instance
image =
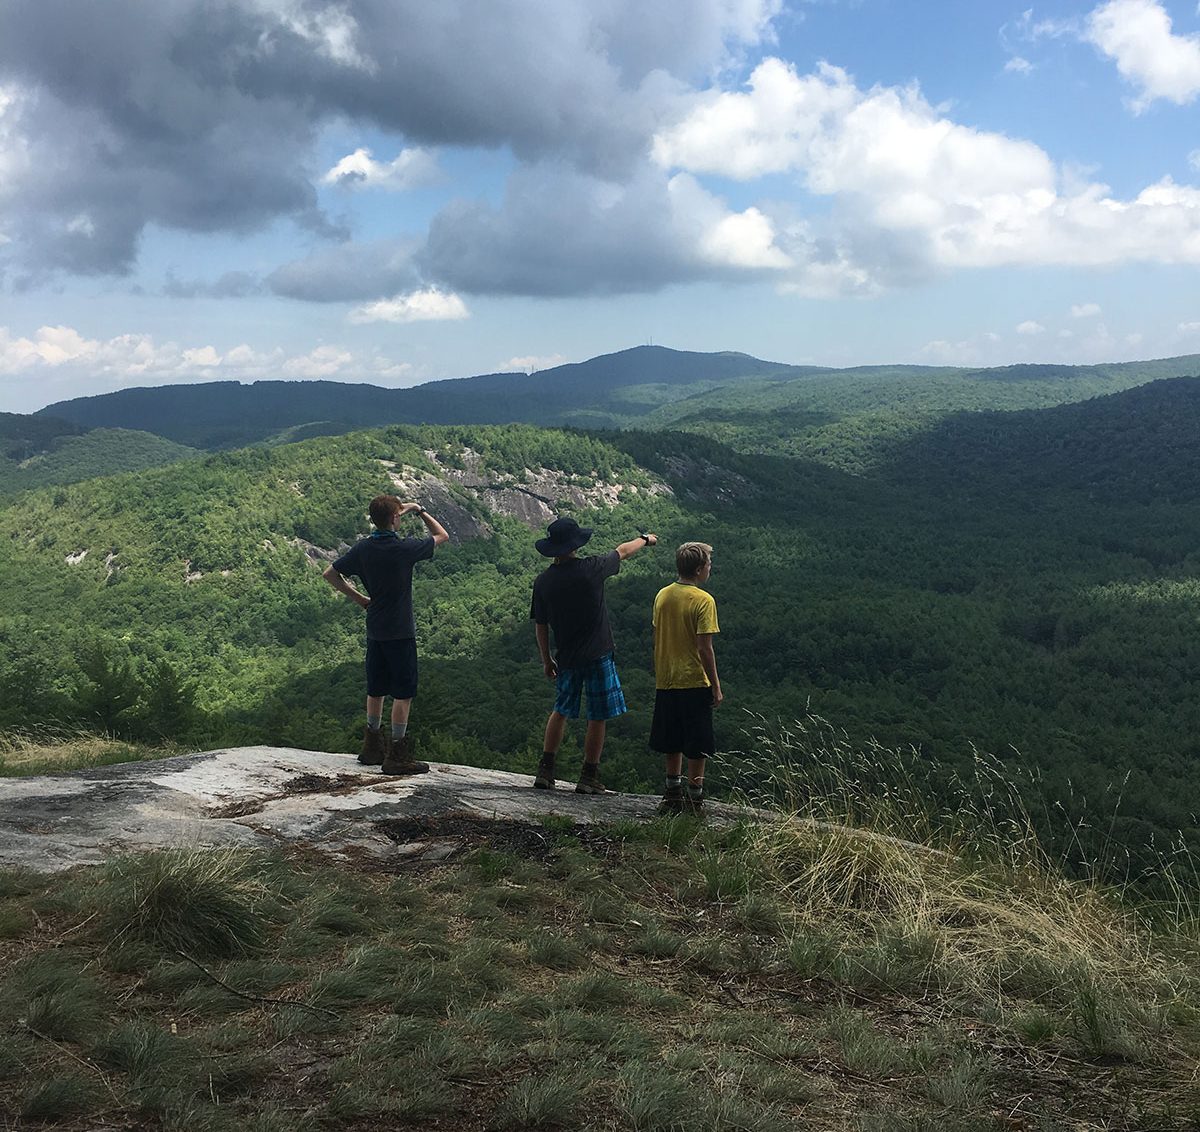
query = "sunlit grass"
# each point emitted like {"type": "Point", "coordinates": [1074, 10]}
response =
{"type": "Point", "coordinates": [25, 754]}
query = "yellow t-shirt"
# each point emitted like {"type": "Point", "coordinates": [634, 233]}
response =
{"type": "Point", "coordinates": [681, 613]}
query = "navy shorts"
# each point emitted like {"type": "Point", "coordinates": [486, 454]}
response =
{"type": "Point", "coordinates": [683, 722]}
{"type": "Point", "coordinates": [392, 668]}
{"type": "Point", "coordinates": [604, 696]}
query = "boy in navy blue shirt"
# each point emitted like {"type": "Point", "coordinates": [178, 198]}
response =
{"type": "Point", "coordinates": [385, 562]}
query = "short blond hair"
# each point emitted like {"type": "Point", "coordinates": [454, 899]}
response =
{"type": "Point", "coordinates": [691, 557]}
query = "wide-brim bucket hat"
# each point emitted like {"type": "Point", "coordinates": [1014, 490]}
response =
{"type": "Point", "coordinates": [563, 536]}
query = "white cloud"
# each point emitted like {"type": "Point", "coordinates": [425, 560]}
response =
{"type": "Point", "coordinates": [82, 225]}
{"type": "Point", "coordinates": [1085, 310]}
{"type": "Point", "coordinates": [410, 168]}
{"type": "Point", "coordinates": [429, 305]}
{"type": "Point", "coordinates": [1029, 327]}
{"type": "Point", "coordinates": [941, 352]}
{"type": "Point", "coordinates": [331, 30]}
{"type": "Point", "coordinates": [324, 361]}
{"type": "Point", "coordinates": [915, 191]}
{"type": "Point", "coordinates": [1034, 31]}
{"type": "Point", "coordinates": [530, 363]}
{"type": "Point", "coordinates": [61, 352]}
{"type": "Point", "coordinates": [1018, 66]}
{"type": "Point", "coordinates": [203, 357]}
{"type": "Point", "coordinates": [1189, 328]}
{"type": "Point", "coordinates": [1137, 35]}
{"type": "Point", "coordinates": [723, 238]}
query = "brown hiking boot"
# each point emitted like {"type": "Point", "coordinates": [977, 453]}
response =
{"type": "Point", "coordinates": [589, 782]}
{"type": "Point", "coordinates": [545, 775]}
{"type": "Point", "coordinates": [692, 804]}
{"type": "Point", "coordinates": [672, 802]}
{"type": "Point", "coordinates": [374, 747]}
{"type": "Point", "coordinates": [400, 760]}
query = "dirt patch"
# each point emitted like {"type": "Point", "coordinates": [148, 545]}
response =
{"type": "Point", "coordinates": [529, 840]}
{"type": "Point", "coordinates": [301, 784]}
{"type": "Point", "coordinates": [505, 834]}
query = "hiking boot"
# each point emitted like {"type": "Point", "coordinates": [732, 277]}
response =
{"type": "Point", "coordinates": [545, 775]}
{"type": "Point", "coordinates": [589, 782]}
{"type": "Point", "coordinates": [672, 802]}
{"type": "Point", "coordinates": [400, 760]}
{"type": "Point", "coordinates": [374, 747]}
{"type": "Point", "coordinates": [692, 804]}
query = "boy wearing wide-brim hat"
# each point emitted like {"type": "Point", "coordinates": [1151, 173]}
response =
{"type": "Point", "coordinates": [568, 601]}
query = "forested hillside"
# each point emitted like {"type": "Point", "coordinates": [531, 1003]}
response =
{"type": "Point", "coordinates": [845, 418]}
{"type": "Point", "coordinates": [68, 457]}
{"type": "Point", "coordinates": [956, 595]}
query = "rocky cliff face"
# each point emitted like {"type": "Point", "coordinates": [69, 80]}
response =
{"type": "Point", "coordinates": [533, 497]}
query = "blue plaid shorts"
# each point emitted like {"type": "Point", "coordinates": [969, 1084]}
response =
{"type": "Point", "coordinates": [604, 696]}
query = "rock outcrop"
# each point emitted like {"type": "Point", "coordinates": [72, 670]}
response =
{"type": "Point", "coordinates": [266, 796]}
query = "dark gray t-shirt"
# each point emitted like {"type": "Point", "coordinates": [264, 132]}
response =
{"type": "Point", "coordinates": [385, 563]}
{"type": "Point", "coordinates": [569, 597]}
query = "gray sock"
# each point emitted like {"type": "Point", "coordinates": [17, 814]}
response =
{"type": "Point", "coordinates": [695, 790]}
{"type": "Point", "coordinates": [674, 781]}
{"type": "Point", "coordinates": [373, 721]}
{"type": "Point", "coordinates": [399, 730]}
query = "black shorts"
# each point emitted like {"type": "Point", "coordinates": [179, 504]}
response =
{"type": "Point", "coordinates": [683, 722]}
{"type": "Point", "coordinates": [392, 668]}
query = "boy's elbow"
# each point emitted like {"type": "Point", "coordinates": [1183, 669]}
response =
{"type": "Point", "coordinates": [438, 540]}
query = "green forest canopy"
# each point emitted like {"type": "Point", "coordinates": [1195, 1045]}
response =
{"type": "Point", "coordinates": [975, 586]}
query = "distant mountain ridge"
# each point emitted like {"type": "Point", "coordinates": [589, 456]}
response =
{"type": "Point", "coordinates": [227, 413]}
{"type": "Point", "coordinates": [726, 394]}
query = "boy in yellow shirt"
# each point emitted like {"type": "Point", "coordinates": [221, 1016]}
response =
{"type": "Point", "coordinates": [685, 678]}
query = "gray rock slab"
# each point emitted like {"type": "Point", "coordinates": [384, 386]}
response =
{"type": "Point", "coordinates": [270, 796]}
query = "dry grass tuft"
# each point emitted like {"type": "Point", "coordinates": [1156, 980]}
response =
{"type": "Point", "coordinates": [52, 752]}
{"type": "Point", "coordinates": [864, 857]}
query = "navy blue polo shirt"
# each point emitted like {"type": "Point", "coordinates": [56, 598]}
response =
{"type": "Point", "coordinates": [385, 564]}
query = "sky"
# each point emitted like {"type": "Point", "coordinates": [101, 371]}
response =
{"type": "Point", "coordinates": [396, 191]}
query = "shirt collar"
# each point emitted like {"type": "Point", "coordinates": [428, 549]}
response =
{"type": "Point", "coordinates": [384, 534]}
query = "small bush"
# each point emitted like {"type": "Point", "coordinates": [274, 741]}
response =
{"type": "Point", "coordinates": [548, 949]}
{"type": "Point", "coordinates": [597, 988]}
{"type": "Point", "coordinates": [61, 1096]}
{"type": "Point", "coordinates": [15, 920]}
{"type": "Point", "coordinates": [205, 903]}
{"type": "Point", "coordinates": [655, 1100]}
{"type": "Point", "coordinates": [540, 1102]}
{"type": "Point", "coordinates": [53, 996]}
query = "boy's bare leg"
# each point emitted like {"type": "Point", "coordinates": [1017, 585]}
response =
{"type": "Point", "coordinates": [694, 793]}
{"type": "Point", "coordinates": [400, 710]}
{"type": "Point", "coordinates": [675, 765]}
{"type": "Point", "coordinates": [593, 741]}
{"type": "Point", "coordinates": [374, 707]}
{"type": "Point", "coordinates": [556, 728]}
{"type": "Point", "coordinates": [593, 745]}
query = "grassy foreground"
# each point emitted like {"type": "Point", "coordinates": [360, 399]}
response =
{"type": "Point", "coordinates": [643, 977]}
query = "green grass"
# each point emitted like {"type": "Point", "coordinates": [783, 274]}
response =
{"type": "Point", "coordinates": [59, 1097]}
{"type": "Point", "coordinates": [201, 902]}
{"type": "Point", "coordinates": [698, 979]}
